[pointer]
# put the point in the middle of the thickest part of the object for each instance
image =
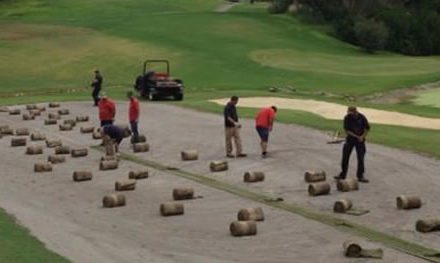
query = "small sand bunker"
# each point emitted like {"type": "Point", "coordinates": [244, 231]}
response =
{"type": "Point", "coordinates": [335, 111]}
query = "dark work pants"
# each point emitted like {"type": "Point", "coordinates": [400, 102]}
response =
{"type": "Point", "coordinates": [134, 129]}
{"type": "Point", "coordinates": [360, 152]}
{"type": "Point", "coordinates": [95, 95]}
{"type": "Point", "coordinates": [106, 122]}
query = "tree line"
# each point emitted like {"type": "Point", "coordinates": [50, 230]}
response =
{"type": "Point", "coordinates": [410, 27]}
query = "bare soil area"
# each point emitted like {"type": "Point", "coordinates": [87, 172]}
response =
{"type": "Point", "coordinates": [69, 218]}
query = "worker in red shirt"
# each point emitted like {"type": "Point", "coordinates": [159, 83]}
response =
{"type": "Point", "coordinates": [107, 110]}
{"type": "Point", "coordinates": [264, 123]}
{"type": "Point", "coordinates": [133, 115]}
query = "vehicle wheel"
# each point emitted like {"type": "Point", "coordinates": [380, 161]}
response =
{"type": "Point", "coordinates": [152, 96]}
{"type": "Point", "coordinates": [178, 97]}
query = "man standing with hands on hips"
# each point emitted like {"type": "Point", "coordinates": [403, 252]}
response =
{"type": "Point", "coordinates": [356, 127]}
{"type": "Point", "coordinates": [232, 128]}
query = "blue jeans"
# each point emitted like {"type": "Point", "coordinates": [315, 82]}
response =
{"type": "Point", "coordinates": [134, 129]}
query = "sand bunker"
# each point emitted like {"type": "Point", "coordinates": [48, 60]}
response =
{"type": "Point", "coordinates": [335, 111]}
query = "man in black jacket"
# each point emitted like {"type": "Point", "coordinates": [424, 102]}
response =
{"type": "Point", "coordinates": [356, 127]}
{"type": "Point", "coordinates": [96, 85]}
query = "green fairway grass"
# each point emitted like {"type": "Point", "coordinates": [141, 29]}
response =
{"type": "Point", "coordinates": [17, 245]}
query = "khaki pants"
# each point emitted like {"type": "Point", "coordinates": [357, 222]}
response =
{"type": "Point", "coordinates": [232, 132]}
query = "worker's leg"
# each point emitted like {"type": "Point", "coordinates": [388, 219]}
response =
{"type": "Point", "coordinates": [237, 140]}
{"type": "Point", "coordinates": [134, 129]}
{"type": "Point", "coordinates": [346, 152]}
{"type": "Point", "coordinates": [360, 152]}
{"type": "Point", "coordinates": [228, 140]}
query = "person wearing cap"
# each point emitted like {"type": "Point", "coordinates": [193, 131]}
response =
{"type": "Point", "coordinates": [232, 128]}
{"type": "Point", "coordinates": [133, 114]}
{"type": "Point", "coordinates": [356, 127]}
{"type": "Point", "coordinates": [96, 85]}
{"type": "Point", "coordinates": [107, 110]}
{"type": "Point", "coordinates": [264, 125]}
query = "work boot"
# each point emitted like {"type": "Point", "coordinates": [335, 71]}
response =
{"type": "Point", "coordinates": [363, 180]}
{"type": "Point", "coordinates": [230, 155]}
{"type": "Point", "coordinates": [241, 155]}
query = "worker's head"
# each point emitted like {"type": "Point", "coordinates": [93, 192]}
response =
{"type": "Point", "coordinates": [103, 96]}
{"type": "Point", "coordinates": [234, 100]}
{"type": "Point", "coordinates": [352, 110]}
{"type": "Point", "coordinates": [96, 71]}
{"type": "Point", "coordinates": [130, 94]}
{"type": "Point", "coordinates": [274, 108]}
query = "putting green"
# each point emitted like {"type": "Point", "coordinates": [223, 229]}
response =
{"type": "Point", "coordinates": [428, 98]}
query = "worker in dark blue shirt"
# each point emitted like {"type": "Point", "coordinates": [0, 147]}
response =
{"type": "Point", "coordinates": [114, 134]}
{"type": "Point", "coordinates": [356, 127]}
{"type": "Point", "coordinates": [232, 128]}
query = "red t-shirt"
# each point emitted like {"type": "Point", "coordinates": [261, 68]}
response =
{"type": "Point", "coordinates": [265, 118]}
{"type": "Point", "coordinates": [133, 110]}
{"type": "Point", "coordinates": [107, 109]}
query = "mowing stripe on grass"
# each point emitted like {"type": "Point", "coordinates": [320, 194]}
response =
{"type": "Point", "coordinates": [428, 254]}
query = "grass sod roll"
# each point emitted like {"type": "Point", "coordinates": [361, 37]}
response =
{"type": "Point", "coordinates": [108, 165]}
{"type": "Point", "coordinates": [183, 193]}
{"type": "Point", "coordinates": [319, 188]}
{"type": "Point", "coordinates": [347, 185]}
{"type": "Point", "coordinates": [243, 228]}
{"type": "Point", "coordinates": [50, 122]}
{"type": "Point", "coordinates": [342, 206]}
{"type": "Point", "coordinates": [125, 185]}
{"type": "Point", "coordinates": [428, 225]}
{"type": "Point", "coordinates": [140, 138]}
{"type": "Point", "coordinates": [53, 105]}
{"type": "Point", "coordinates": [86, 129]}
{"type": "Point", "coordinates": [189, 155]}
{"type": "Point", "coordinates": [28, 116]}
{"type": "Point", "coordinates": [408, 202]}
{"type": "Point", "coordinates": [38, 137]}
{"type": "Point", "coordinates": [65, 127]}
{"type": "Point", "coordinates": [171, 209]}
{"type": "Point", "coordinates": [54, 116]}
{"type": "Point", "coordinates": [79, 176]}
{"type": "Point", "coordinates": [218, 166]}
{"type": "Point", "coordinates": [14, 112]}
{"type": "Point", "coordinates": [141, 147]}
{"type": "Point", "coordinates": [63, 149]}
{"type": "Point", "coordinates": [34, 149]}
{"type": "Point", "coordinates": [250, 214]}
{"type": "Point", "coordinates": [138, 174]}
{"type": "Point", "coordinates": [42, 167]}
{"type": "Point", "coordinates": [253, 177]}
{"type": "Point", "coordinates": [113, 200]}
{"type": "Point", "coordinates": [17, 142]}
{"type": "Point", "coordinates": [22, 132]}
{"type": "Point", "coordinates": [82, 118]}
{"type": "Point", "coordinates": [53, 143]}
{"type": "Point", "coordinates": [54, 159]}
{"type": "Point", "coordinates": [314, 176]}
{"type": "Point", "coordinates": [63, 112]}
{"type": "Point", "coordinates": [79, 152]}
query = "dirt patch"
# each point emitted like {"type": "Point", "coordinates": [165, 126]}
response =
{"type": "Point", "coordinates": [335, 111]}
{"type": "Point", "coordinates": [225, 7]}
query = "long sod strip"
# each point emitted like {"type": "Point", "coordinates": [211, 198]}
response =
{"type": "Point", "coordinates": [428, 254]}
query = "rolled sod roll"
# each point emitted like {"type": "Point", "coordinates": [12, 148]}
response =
{"type": "Point", "coordinates": [347, 185]}
{"type": "Point", "coordinates": [218, 166]}
{"type": "Point", "coordinates": [22, 131]}
{"type": "Point", "coordinates": [141, 147]}
{"type": "Point", "coordinates": [189, 155]}
{"type": "Point", "coordinates": [7, 131]}
{"type": "Point", "coordinates": [140, 138]}
{"type": "Point", "coordinates": [53, 143]}
{"type": "Point", "coordinates": [34, 149]}
{"type": "Point", "coordinates": [342, 206]}
{"type": "Point", "coordinates": [28, 117]}
{"type": "Point", "coordinates": [56, 159]}
{"type": "Point", "coordinates": [31, 106]}
{"type": "Point", "coordinates": [63, 112]}
{"type": "Point", "coordinates": [183, 193]}
{"type": "Point", "coordinates": [4, 109]}
{"type": "Point", "coordinates": [41, 108]}
{"type": "Point", "coordinates": [38, 137]}
{"type": "Point", "coordinates": [65, 127]}
{"type": "Point", "coordinates": [113, 200]}
{"type": "Point", "coordinates": [62, 150]}
{"type": "Point", "coordinates": [42, 167]}
{"type": "Point", "coordinates": [319, 188]}
{"type": "Point", "coordinates": [352, 249]}
{"type": "Point", "coordinates": [125, 185]}
{"type": "Point", "coordinates": [54, 116]}
{"type": "Point", "coordinates": [171, 209]}
{"type": "Point", "coordinates": [86, 129]}
{"type": "Point", "coordinates": [408, 202]}
{"type": "Point", "coordinates": [14, 112]}
{"type": "Point", "coordinates": [428, 225]}
{"type": "Point", "coordinates": [53, 105]}
{"type": "Point", "coordinates": [108, 165]}
{"type": "Point", "coordinates": [250, 214]}
{"type": "Point", "coordinates": [35, 112]}
{"type": "Point", "coordinates": [50, 122]}
{"type": "Point", "coordinates": [243, 228]}
{"type": "Point", "coordinates": [82, 118]}
{"type": "Point", "coordinates": [79, 176]}
{"type": "Point", "coordinates": [71, 122]}
{"type": "Point", "coordinates": [15, 142]}
{"type": "Point", "coordinates": [314, 176]}
{"type": "Point", "coordinates": [79, 152]}
{"type": "Point", "coordinates": [97, 135]}
{"type": "Point", "coordinates": [252, 177]}
{"type": "Point", "coordinates": [138, 174]}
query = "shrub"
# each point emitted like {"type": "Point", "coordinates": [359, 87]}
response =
{"type": "Point", "coordinates": [370, 34]}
